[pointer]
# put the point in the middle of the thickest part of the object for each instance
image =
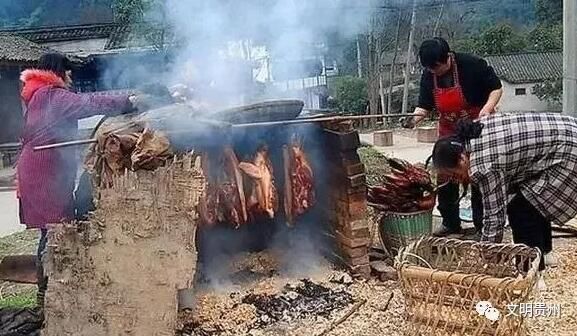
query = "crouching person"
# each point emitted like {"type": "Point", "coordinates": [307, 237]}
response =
{"type": "Point", "coordinates": [525, 166]}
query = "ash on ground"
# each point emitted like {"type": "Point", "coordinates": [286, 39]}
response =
{"type": "Point", "coordinates": [297, 302]}
{"type": "Point", "coordinates": [257, 296]}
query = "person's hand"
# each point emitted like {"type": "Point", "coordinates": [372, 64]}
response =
{"type": "Point", "coordinates": [407, 122]}
{"type": "Point", "coordinates": [141, 102]}
{"type": "Point", "coordinates": [485, 112]}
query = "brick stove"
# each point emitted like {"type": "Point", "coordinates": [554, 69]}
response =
{"type": "Point", "coordinates": [346, 206]}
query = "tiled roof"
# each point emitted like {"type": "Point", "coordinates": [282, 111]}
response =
{"type": "Point", "coordinates": [18, 49]}
{"type": "Point", "coordinates": [67, 33]}
{"type": "Point", "coordinates": [138, 36]}
{"type": "Point", "coordinates": [119, 36]}
{"type": "Point", "coordinates": [528, 67]}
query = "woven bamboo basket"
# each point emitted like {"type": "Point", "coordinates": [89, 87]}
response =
{"type": "Point", "coordinates": [397, 230]}
{"type": "Point", "coordinates": [443, 280]}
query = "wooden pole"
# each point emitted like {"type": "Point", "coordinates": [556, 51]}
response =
{"type": "Point", "coordinates": [245, 125]}
{"type": "Point", "coordinates": [409, 59]}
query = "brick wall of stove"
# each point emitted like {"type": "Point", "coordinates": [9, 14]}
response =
{"type": "Point", "coordinates": [347, 205]}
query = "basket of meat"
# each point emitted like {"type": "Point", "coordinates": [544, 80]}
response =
{"type": "Point", "coordinates": [405, 199]}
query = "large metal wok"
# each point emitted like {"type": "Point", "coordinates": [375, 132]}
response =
{"type": "Point", "coordinates": [274, 110]}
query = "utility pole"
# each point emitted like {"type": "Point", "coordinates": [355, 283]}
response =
{"type": "Point", "coordinates": [359, 61]}
{"type": "Point", "coordinates": [409, 59]}
{"type": "Point", "coordinates": [570, 57]}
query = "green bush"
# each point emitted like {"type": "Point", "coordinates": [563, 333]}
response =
{"type": "Point", "coordinates": [350, 94]}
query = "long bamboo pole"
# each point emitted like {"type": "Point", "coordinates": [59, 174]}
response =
{"type": "Point", "coordinates": [244, 125]}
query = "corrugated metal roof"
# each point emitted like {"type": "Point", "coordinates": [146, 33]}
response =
{"type": "Point", "coordinates": [528, 67]}
{"type": "Point", "coordinates": [18, 49]}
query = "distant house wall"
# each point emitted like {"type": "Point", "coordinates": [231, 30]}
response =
{"type": "Point", "coordinates": [79, 46]}
{"type": "Point", "coordinates": [10, 105]}
{"type": "Point", "coordinates": [514, 100]}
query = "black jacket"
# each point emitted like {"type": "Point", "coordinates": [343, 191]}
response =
{"type": "Point", "coordinates": [476, 77]}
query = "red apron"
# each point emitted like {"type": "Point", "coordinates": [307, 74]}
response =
{"type": "Point", "coordinates": [452, 104]}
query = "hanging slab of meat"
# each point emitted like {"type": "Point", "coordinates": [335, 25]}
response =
{"type": "Point", "coordinates": [299, 187]}
{"type": "Point", "coordinates": [264, 197]}
{"type": "Point", "coordinates": [208, 204]}
{"type": "Point", "coordinates": [232, 196]}
{"type": "Point", "coordinates": [152, 150]}
{"type": "Point", "coordinates": [224, 199]}
{"type": "Point", "coordinates": [111, 156]}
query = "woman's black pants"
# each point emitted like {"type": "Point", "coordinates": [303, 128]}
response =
{"type": "Point", "coordinates": [529, 226]}
{"type": "Point", "coordinates": [448, 199]}
{"type": "Point", "coordinates": [42, 279]}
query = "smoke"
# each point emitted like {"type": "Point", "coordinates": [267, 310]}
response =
{"type": "Point", "coordinates": [225, 47]}
{"type": "Point", "coordinates": [221, 49]}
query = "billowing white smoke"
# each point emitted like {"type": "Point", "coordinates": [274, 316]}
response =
{"type": "Point", "coordinates": [227, 44]}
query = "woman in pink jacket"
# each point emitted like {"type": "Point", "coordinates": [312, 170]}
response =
{"type": "Point", "coordinates": [46, 179]}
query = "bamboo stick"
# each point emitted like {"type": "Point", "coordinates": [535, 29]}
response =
{"type": "Point", "coordinates": [244, 125]}
{"type": "Point", "coordinates": [320, 119]}
{"type": "Point", "coordinates": [336, 323]}
{"type": "Point", "coordinates": [65, 144]}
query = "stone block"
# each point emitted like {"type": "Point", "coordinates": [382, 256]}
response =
{"type": "Point", "coordinates": [383, 138]}
{"type": "Point", "coordinates": [427, 134]}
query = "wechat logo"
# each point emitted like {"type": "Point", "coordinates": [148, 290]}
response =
{"type": "Point", "coordinates": [485, 308]}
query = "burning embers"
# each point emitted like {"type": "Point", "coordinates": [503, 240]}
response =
{"type": "Point", "coordinates": [237, 314]}
{"type": "Point", "coordinates": [297, 302]}
{"type": "Point", "coordinates": [240, 192]}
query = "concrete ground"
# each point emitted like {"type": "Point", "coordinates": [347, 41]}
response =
{"type": "Point", "coordinates": [405, 146]}
{"type": "Point", "coordinates": [9, 221]}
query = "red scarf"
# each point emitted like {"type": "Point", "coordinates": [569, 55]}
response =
{"type": "Point", "coordinates": [35, 79]}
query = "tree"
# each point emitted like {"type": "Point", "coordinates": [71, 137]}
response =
{"type": "Point", "coordinates": [546, 37]}
{"type": "Point", "coordinates": [549, 12]}
{"type": "Point", "coordinates": [351, 94]}
{"type": "Point", "coordinates": [131, 11]}
{"type": "Point", "coordinates": [146, 19]}
{"type": "Point", "coordinates": [550, 91]}
{"type": "Point", "coordinates": [501, 39]}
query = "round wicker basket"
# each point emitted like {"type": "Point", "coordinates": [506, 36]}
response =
{"type": "Point", "coordinates": [397, 230]}
{"type": "Point", "coordinates": [443, 281]}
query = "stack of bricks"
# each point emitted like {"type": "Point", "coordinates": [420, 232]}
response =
{"type": "Point", "coordinates": [347, 203]}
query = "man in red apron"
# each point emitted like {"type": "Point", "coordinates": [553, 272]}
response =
{"type": "Point", "coordinates": [457, 86]}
